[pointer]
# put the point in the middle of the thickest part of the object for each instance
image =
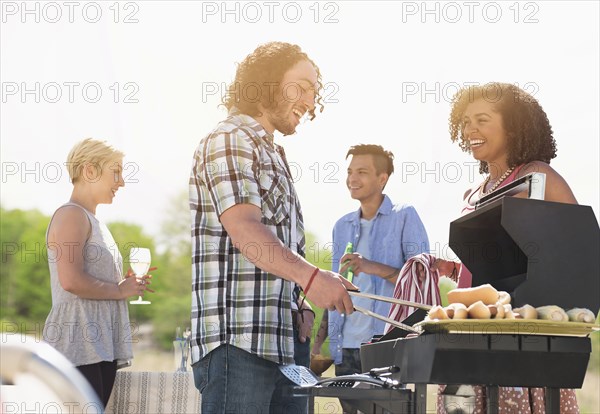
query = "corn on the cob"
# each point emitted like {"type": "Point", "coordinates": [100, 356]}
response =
{"type": "Point", "coordinates": [526, 312]}
{"type": "Point", "coordinates": [581, 315]}
{"type": "Point", "coordinates": [479, 310]}
{"type": "Point", "coordinates": [552, 313]}
{"type": "Point", "coordinates": [437, 312]}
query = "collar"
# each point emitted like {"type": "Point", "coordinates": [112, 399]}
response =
{"type": "Point", "coordinates": [385, 208]}
{"type": "Point", "coordinates": [254, 124]}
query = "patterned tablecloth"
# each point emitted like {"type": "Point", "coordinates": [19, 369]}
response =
{"type": "Point", "coordinates": [154, 392]}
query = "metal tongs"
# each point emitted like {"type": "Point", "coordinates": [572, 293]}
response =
{"type": "Point", "coordinates": [392, 322]}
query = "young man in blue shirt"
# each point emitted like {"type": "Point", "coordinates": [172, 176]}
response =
{"type": "Point", "coordinates": [384, 236]}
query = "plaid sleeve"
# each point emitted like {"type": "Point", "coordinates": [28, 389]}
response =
{"type": "Point", "coordinates": [229, 171]}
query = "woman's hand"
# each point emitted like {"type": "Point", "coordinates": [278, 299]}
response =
{"type": "Point", "coordinates": [131, 286]}
{"type": "Point", "coordinates": [134, 285]}
{"type": "Point", "coordinates": [444, 268]}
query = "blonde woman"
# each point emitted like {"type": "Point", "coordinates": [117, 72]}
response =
{"type": "Point", "coordinates": [89, 320]}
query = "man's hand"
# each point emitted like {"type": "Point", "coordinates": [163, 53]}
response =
{"type": "Point", "coordinates": [321, 335]}
{"type": "Point", "coordinates": [305, 321]}
{"type": "Point", "coordinates": [360, 264]}
{"type": "Point", "coordinates": [357, 262]}
{"type": "Point", "coordinates": [329, 291]}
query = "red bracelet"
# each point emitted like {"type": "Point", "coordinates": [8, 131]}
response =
{"type": "Point", "coordinates": [312, 277]}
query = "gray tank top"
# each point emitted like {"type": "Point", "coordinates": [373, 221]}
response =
{"type": "Point", "coordinates": [88, 331]}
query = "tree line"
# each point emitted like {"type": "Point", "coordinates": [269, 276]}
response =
{"type": "Point", "coordinates": [25, 296]}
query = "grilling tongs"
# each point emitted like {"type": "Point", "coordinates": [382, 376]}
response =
{"type": "Point", "coordinates": [392, 322]}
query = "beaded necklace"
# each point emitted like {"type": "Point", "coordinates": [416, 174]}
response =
{"type": "Point", "coordinates": [497, 183]}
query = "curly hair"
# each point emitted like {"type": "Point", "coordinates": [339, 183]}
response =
{"type": "Point", "coordinates": [259, 72]}
{"type": "Point", "coordinates": [384, 160]}
{"type": "Point", "coordinates": [528, 131]}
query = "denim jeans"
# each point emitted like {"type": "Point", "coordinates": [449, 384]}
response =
{"type": "Point", "coordinates": [301, 351]}
{"type": "Point", "coordinates": [235, 381]}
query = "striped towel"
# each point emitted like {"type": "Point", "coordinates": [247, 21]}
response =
{"type": "Point", "coordinates": [408, 287]}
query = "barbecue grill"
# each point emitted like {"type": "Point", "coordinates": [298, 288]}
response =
{"type": "Point", "coordinates": [542, 253]}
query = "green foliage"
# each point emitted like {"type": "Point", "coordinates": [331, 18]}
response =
{"type": "Point", "coordinates": [318, 254]}
{"type": "Point", "coordinates": [175, 234]}
{"type": "Point", "coordinates": [24, 279]}
{"type": "Point", "coordinates": [173, 302]}
{"type": "Point", "coordinates": [25, 294]}
{"type": "Point", "coordinates": [128, 235]}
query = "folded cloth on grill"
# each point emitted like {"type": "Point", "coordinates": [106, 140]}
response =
{"type": "Point", "coordinates": [410, 287]}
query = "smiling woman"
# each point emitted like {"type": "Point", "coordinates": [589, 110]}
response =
{"type": "Point", "coordinates": [89, 320]}
{"type": "Point", "coordinates": [508, 132]}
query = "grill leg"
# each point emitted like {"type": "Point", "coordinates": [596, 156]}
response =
{"type": "Point", "coordinates": [552, 400]}
{"type": "Point", "coordinates": [492, 392]}
{"type": "Point", "coordinates": [420, 395]}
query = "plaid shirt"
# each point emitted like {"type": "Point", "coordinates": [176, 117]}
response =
{"type": "Point", "coordinates": [233, 301]}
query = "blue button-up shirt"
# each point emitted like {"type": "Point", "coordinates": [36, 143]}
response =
{"type": "Point", "coordinates": [397, 234]}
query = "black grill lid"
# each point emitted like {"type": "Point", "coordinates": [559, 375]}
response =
{"type": "Point", "coordinates": [542, 252]}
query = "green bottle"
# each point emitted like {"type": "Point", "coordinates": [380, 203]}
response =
{"type": "Point", "coordinates": [349, 274]}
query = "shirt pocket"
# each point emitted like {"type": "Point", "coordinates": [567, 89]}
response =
{"type": "Point", "coordinates": [390, 248]}
{"type": "Point", "coordinates": [275, 195]}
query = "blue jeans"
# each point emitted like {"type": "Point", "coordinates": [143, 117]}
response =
{"type": "Point", "coordinates": [235, 381]}
{"type": "Point", "coordinates": [301, 351]}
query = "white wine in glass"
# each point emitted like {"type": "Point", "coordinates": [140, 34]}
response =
{"type": "Point", "coordinates": [139, 260]}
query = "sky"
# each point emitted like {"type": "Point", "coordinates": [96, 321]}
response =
{"type": "Point", "coordinates": [147, 77]}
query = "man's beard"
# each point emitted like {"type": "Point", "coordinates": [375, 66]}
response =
{"type": "Point", "coordinates": [279, 118]}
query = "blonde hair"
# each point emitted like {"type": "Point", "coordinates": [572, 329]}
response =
{"type": "Point", "coordinates": [90, 151]}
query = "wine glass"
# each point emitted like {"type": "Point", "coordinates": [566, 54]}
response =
{"type": "Point", "coordinates": [139, 260]}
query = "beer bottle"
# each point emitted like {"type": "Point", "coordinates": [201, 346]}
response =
{"type": "Point", "coordinates": [349, 274]}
